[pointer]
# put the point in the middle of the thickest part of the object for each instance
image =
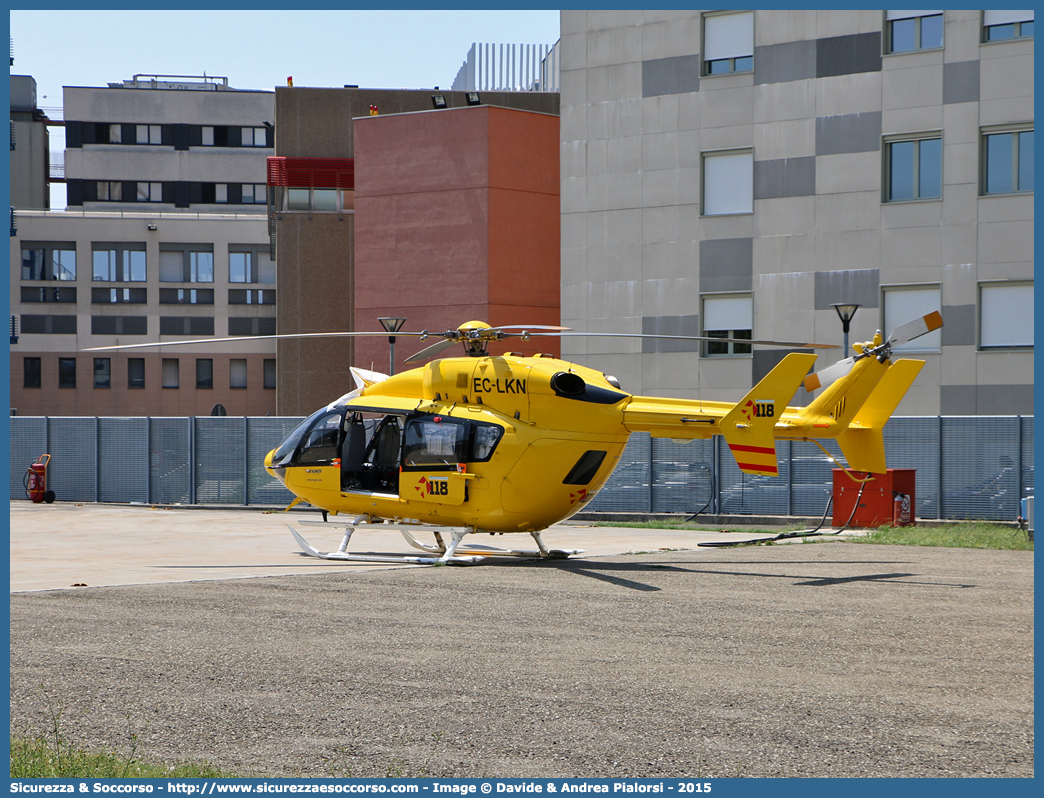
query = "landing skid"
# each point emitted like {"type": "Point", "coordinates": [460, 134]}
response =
{"type": "Point", "coordinates": [493, 551]}
{"type": "Point", "coordinates": [453, 554]}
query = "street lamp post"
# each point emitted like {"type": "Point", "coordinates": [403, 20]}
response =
{"type": "Point", "coordinates": [391, 325]}
{"type": "Point", "coordinates": [845, 312]}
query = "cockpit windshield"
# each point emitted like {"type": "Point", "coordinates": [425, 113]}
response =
{"type": "Point", "coordinates": [320, 432]}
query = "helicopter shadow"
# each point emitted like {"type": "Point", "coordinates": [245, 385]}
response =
{"type": "Point", "coordinates": [609, 572]}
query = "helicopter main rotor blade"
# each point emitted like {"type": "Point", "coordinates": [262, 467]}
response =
{"type": "Point", "coordinates": [530, 327]}
{"type": "Point", "coordinates": [430, 351]}
{"type": "Point", "coordinates": [793, 344]}
{"type": "Point", "coordinates": [381, 334]}
{"type": "Point", "coordinates": [905, 333]}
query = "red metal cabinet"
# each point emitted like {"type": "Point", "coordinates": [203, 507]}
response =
{"type": "Point", "coordinates": [889, 500]}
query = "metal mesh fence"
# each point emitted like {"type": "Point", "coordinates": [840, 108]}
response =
{"type": "Point", "coordinates": [629, 487]}
{"type": "Point", "coordinates": [123, 448]}
{"type": "Point", "coordinates": [28, 441]}
{"type": "Point", "coordinates": [74, 458]}
{"type": "Point", "coordinates": [683, 475]}
{"type": "Point", "coordinates": [981, 480]}
{"type": "Point", "coordinates": [220, 460]}
{"type": "Point", "coordinates": [170, 465]}
{"type": "Point", "coordinates": [974, 467]}
{"type": "Point", "coordinates": [909, 443]}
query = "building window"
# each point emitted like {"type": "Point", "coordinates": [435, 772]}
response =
{"type": "Point", "coordinates": [1005, 315]}
{"type": "Point", "coordinates": [728, 182]}
{"type": "Point", "coordinates": [118, 263]}
{"type": "Point", "coordinates": [270, 373]}
{"type": "Point", "coordinates": [237, 373]}
{"type": "Point", "coordinates": [189, 264]}
{"type": "Point", "coordinates": [241, 267]}
{"type": "Point", "coordinates": [186, 325]}
{"type": "Point", "coordinates": [48, 325]}
{"type": "Point", "coordinates": [728, 316]}
{"type": "Point", "coordinates": [1007, 162]}
{"type": "Point", "coordinates": [316, 200]}
{"type": "Point", "coordinates": [136, 372]}
{"type": "Point", "coordinates": [150, 192]}
{"type": "Point", "coordinates": [250, 264]}
{"type": "Point", "coordinates": [255, 296]}
{"type": "Point", "coordinates": [105, 133]}
{"type": "Point", "coordinates": [254, 137]}
{"type": "Point", "coordinates": [213, 193]}
{"type": "Point", "coordinates": [119, 325]}
{"type": "Point", "coordinates": [913, 169]}
{"type": "Point", "coordinates": [251, 325]}
{"type": "Point", "coordinates": [254, 194]}
{"type": "Point", "coordinates": [1003, 25]}
{"type": "Point", "coordinates": [149, 134]}
{"type": "Point", "coordinates": [119, 296]}
{"type": "Point", "coordinates": [31, 372]}
{"type": "Point", "coordinates": [904, 304]}
{"type": "Point", "coordinates": [102, 372]}
{"type": "Point", "coordinates": [728, 43]}
{"type": "Point", "coordinates": [48, 261]}
{"type": "Point", "coordinates": [66, 295]}
{"type": "Point", "coordinates": [204, 373]}
{"type": "Point", "coordinates": [66, 372]}
{"type": "Point", "coordinates": [110, 191]}
{"type": "Point", "coordinates": [186, 296]}
{"type": "Point", "coordinates": [913, 30]}
{"type": "Point", "coordinates": [171, 375]}
{"type": "Point", "coordinates": [215, 136]}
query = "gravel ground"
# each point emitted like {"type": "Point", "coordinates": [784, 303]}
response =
{"type": "Point", "coordinates": [835, 659]}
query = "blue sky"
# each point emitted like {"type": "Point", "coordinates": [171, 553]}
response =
{"type": "Point", "coordinates": [259, 49]}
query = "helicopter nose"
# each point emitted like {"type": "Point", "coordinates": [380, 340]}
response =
{"type": "Point", "coordinates": [277, 473]}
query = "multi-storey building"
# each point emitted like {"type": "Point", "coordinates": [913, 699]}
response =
{"type": "Point", "coordinates": [164, 238]}
{"type": "Point", "coordinates": [30, 149]}
{"type": "Point", "coordinates": [435, 214]}
{"type": "Point", "coordinates": [738, 173]}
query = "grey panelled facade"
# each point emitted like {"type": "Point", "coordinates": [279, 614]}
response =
{"type": "Point", "coordinates": [742, 171]}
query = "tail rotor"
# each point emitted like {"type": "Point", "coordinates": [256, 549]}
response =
{"type": "Point", "coordinates": [878, 348]}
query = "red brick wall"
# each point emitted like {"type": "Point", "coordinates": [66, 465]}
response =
{"type": "Point", "coordinates": [457, 218]}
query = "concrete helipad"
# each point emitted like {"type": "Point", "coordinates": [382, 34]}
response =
{"type": "Point", "coordinates": [66, 545]}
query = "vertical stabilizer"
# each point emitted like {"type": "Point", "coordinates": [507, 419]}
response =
{"type": "Point", "coordinates": [749, 428]}
{"type": "Point", "coordinates": [862, 443]}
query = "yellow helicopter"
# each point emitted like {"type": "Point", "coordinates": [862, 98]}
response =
{"type": "Point", "coordinates": [512, 444]}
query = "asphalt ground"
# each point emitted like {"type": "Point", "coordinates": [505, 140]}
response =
{"type": "Point", "coordinates": [831, 659]}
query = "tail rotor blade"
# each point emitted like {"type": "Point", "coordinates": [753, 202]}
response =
{"type": "Point", "coordinates": [828, 375]}
{"type": "Point", "coordinates": [915, 329]}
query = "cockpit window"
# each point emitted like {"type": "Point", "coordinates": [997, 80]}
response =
{"type": "Point", "coordinates": [484, 440]}
{"type": "Point", "coordinates": [314, 440]}
{"type": "Point", "coordinates": [435, 441]}
{"type": "Point", "coordinates": [321, 443]}
{"type": "Point", "coordinates": [445, 441]}
{"type": "Point", "coordinates": [287, 448]}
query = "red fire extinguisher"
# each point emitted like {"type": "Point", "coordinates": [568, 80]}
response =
{"type": "Point", "coordinates": [901, 510]}
{"type": "Point", "coordinates": [36, 480]}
